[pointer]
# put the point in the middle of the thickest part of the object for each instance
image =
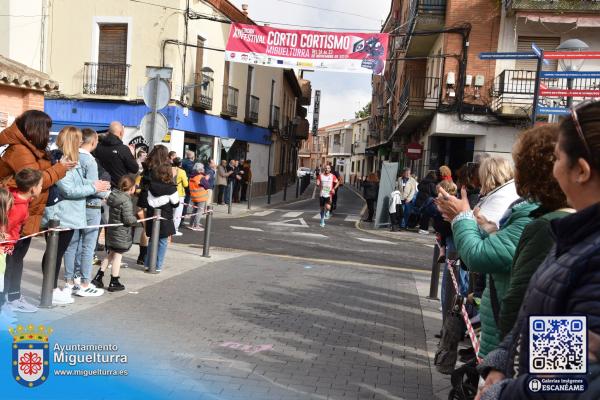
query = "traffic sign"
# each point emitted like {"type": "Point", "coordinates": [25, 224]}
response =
{"type": "Point", "coordinates": [552, 110]}
{"type": "Point", "coordinates": [227, 143]}
{"type": "Point", "coordinates": [570, 92]}
{"type": "Point", "coordinates": [507, 56]}
{"type": "Point", "coordinates": [573, 55]}
{"type": "Point", "coordinates": [161, 127]}
{"type": "Point", "coordinates": [157, 97]}
{"type": "Point", "coordinates": [414, 151]}
{"type": "Point", "coordinates": [570, 74]}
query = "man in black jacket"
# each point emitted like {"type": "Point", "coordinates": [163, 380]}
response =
{"type": "Point", "coordinates": [114, 156]}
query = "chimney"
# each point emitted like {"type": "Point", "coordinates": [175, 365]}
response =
{"type": "Point", "coordinates": [245, 9]}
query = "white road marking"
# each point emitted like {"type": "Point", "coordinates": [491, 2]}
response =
{"type": "Point", "coordinates": [245, 228]}
{"type": "Point", "coordinates": [375, 241]}
{"type": "Point", "coordinates": [352, 218]}
{"type": "Point", "coordinates": [315, 235]}
{"type": "Point", "coordinates": [293, 214]}
{"type": "Point", "coordinates": [318, 216]}
{"type": "Point", "coordinates": [301, 223]}
{"type": "Point", "coordinates": [264, 213]}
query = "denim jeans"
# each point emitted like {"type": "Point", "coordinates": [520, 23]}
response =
{"type": "Point", "coordinates": [162, 250]}
{"type": "Point", "coordinates": [407, 210]}
{"type": "Point", "coordinates": [80, 253]}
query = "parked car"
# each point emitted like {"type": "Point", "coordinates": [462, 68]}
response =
{"type": "Point", "coordinates": [302, 171]}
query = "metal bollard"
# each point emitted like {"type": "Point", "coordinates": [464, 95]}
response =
{"type": "Point", "coordinates": [269, 190]}
{"type": "Point", "coordinates": [249, 194]}
{"type": "Point", "coordinates": [153, 248]}
{"type": "Point", "coordinates": [230, 205]}
{"type": "Point", "coordinates": [207, 229]}
{"type": "Point", "coordinates": [297, 187]}
{"type": "Point", "coordinates": [285, 185]}
{"type": "Point", "coordinates": [435, 275]}
{"type": "Point", "coordinates": [50, 265]}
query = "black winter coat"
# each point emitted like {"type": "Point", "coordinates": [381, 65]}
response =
{"type": "Point", "coordinates": [167, 227]}
{"type": "Point", "coordinates": [370, 190]}
{"type": "Point", "coordinates": [121, 211]}
{"type": "Point", "coordinates": [115, 158]}
{"type": "Point", "coordinates": [566, 283]}
{"type": "Point", "coordinates": [426, 190]}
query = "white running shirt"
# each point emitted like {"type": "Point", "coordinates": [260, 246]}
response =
{"type": "Point", "coordinates": [327, 184]}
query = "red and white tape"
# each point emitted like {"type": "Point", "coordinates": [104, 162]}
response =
{"type": "Point", "coordinates": [464, 313]}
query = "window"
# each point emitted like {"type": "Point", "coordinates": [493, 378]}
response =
{"type": "Point", "coordinates": [337, 139]}
{"type": "Point", "coordinates": [352, 166]}
{"type": "Point", "coordinates": [544, 43]}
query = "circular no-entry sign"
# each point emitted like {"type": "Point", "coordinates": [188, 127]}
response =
{"type": "Point", "coordinates": [414, 151]}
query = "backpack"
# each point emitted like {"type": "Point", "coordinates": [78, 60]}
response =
{"type": "Point", "coordinates": [465, 381]}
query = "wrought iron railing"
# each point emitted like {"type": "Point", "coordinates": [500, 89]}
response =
{"type": "Point", "coordinates": [421, 8]}
{"type": "Point", "coordinates": [203, 91]}
{"type": "Point", "coordinates": [230, 101]}
{"type": "Point", "coordinates": [420, 93]}
{"type": "Point", "coordinates": [109, 79]}
{"type": "Point", "coordinates": [252, 107]}
{"type": "Point", "coordinates": [275, 113]}
{"type": "Point", "coordinates": [515, 88]}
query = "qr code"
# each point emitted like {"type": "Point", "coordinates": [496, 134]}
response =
{"type": "Point", "coordinates": [557, 345]}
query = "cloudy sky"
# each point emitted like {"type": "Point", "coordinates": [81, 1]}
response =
{"type": "Point", "coordinates": [341, 93]}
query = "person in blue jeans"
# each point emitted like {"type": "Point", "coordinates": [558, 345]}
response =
{"type": "Point", "coordinates": [407, 185]}
{"type": "Point", "coordinates": [79, 256]}
{"type": "Point", "coordinates": [162, 194]}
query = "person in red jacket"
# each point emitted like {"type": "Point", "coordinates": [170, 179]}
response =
{"type": "Point", "coordinates": [28, 186]}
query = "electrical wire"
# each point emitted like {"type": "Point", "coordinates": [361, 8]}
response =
{"type": "Point", "coordinates": [327, 9]}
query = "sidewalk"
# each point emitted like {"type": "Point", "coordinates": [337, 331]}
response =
{"type": "Point", "coordinates": [260, 203]}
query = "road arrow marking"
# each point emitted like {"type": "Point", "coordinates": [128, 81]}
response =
{"type": "Point", "coordinates": [293, 214]}
{"type": "Point", "coordinates": [375, 241]}
{"type": "Point", "coordinates": [244, 228]}
{"type": "Point", "coordinates": [315, 235]}
{"type": "Point", "coordinates": [264, 213]}
{"type": "Point", "coordinates": [301, 223]}
{"type": "Point", "coordinates": [352, 218]}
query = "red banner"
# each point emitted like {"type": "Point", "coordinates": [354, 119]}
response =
{"type": "Point", "coordinates": [573, 55]}
{"type": "Point", "coordinates": [570, 92]}
{"type": "Point", "coordinates": [329, 51]}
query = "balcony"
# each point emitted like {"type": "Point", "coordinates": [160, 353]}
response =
{"type": "Point", "coordinates": [203, 91]}
{"type": "Point", "coordinates": [306, 88]}
{"type": "Point", "coordinates": [230, 101]}
{"type": "Point", "coordinates": [252, 107]}
{"type": "Point", "coordinates": [275, 114]}
{"type": "Point", "coordinates": [419, 100]}
{"type": "Point", "coordinates": [512, 93]}
{"type": "Point", "coordinates": [425, 15]}
{"type": "Point", "coordinates": [106, 79]}
{"type": "Point", "coordinates": [553, 5]}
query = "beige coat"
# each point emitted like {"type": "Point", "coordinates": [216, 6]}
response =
{"type": "Point", "coordinates": [221, 176]}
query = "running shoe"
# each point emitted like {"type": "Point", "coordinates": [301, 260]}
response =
{"type": "Point", "coordinates": [61, 297]}
{"type": "Point", "coordinates": [178, 234]}
{"type": "Point", "coordinates": [423, 232]}
{"type": "Point", "coordinates": [322, 224]}
{"type": "Point", "coordinates": [22, 305]}
{"type": "Point", "coordinates": [89, 291]}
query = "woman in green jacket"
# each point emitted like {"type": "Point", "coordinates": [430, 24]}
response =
{"type": "Point", "coordinates": [536, 183]}
{"type": "Point", "coordinates": [489, 253]}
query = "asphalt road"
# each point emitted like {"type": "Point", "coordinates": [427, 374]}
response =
{"type": "Point", "coordinates": [294, 230]}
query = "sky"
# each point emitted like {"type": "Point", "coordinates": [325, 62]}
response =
{"type": "Point", "coordinates": [341, 93]}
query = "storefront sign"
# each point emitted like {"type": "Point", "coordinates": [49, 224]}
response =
{"type": "Point", "coordinates": [328, 51]}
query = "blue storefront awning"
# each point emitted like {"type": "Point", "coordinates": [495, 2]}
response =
{"type": "Point", "coordinates": [98, 115]}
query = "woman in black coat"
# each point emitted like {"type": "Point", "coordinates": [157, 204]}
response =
{"type": "Point", "coordinates": [568, 281]}
{"type": "Point", "coordinates": [427, 192]}
{"type": "Point", "coordinates": [370, 193]}
{"type": "Point", "coordinates": [162, 194]}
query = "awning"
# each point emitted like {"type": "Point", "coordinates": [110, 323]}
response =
{"type": "Point", "coordinates": [58, 125]}
{"type": "Point", "coordinates": [579, 21]}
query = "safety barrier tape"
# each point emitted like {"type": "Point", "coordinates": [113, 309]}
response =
{"type": "Point", "coordinates": [464, 313]}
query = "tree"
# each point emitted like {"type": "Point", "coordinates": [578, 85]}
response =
{"type": "Point", "coordinates": [363, 112]}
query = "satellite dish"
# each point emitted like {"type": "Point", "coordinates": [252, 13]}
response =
{"type": "Point", "coordinates": [163, 94]}
{"type": "Point", "coordinates": [162, 127]}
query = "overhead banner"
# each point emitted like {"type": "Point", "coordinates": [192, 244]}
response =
{"type": "Point", "coordinates": [327, 51]}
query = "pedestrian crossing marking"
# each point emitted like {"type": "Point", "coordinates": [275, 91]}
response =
{"type": "Point", "coordinates": [293, 214]}
{"type": "Point", "coordinates": [375, 241]}
{"type": "Point", "coordinates": [264, 213]}
{"type": "Point", "coordinates": [245, 228]}
{"type": "Point", "coordinates": [301, 223]}
{"type": "Point", "coordinates": [318, 216]}
{"type": "Point", "coordinates": [352, 218]}
{"type": "Point", "coordinates": [315, 235]}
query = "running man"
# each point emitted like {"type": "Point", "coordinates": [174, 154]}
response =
{"type": "Point", "coordinates": [327, 184]}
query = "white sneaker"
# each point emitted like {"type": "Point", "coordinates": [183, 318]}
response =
{"type": "Point", "coordinates": [90, 291]}
{"type": "Point", "coordinates": [178, 234]}
{"type": "Point", "coordinates": [423, 232]}
{"type": "Point", "coordinates": [61, 297]}
{"type": "Point", "coordinates": [327, 215]}
{"type": "Point", "coordinates": [21, 305]}
{"type": "Point", "coordinates": [7, 311]}
{"type": "Point", "coordinates": [77, 281]}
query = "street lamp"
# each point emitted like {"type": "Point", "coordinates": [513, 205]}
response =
{"type": "Point", "coordinates": [568, 64]}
